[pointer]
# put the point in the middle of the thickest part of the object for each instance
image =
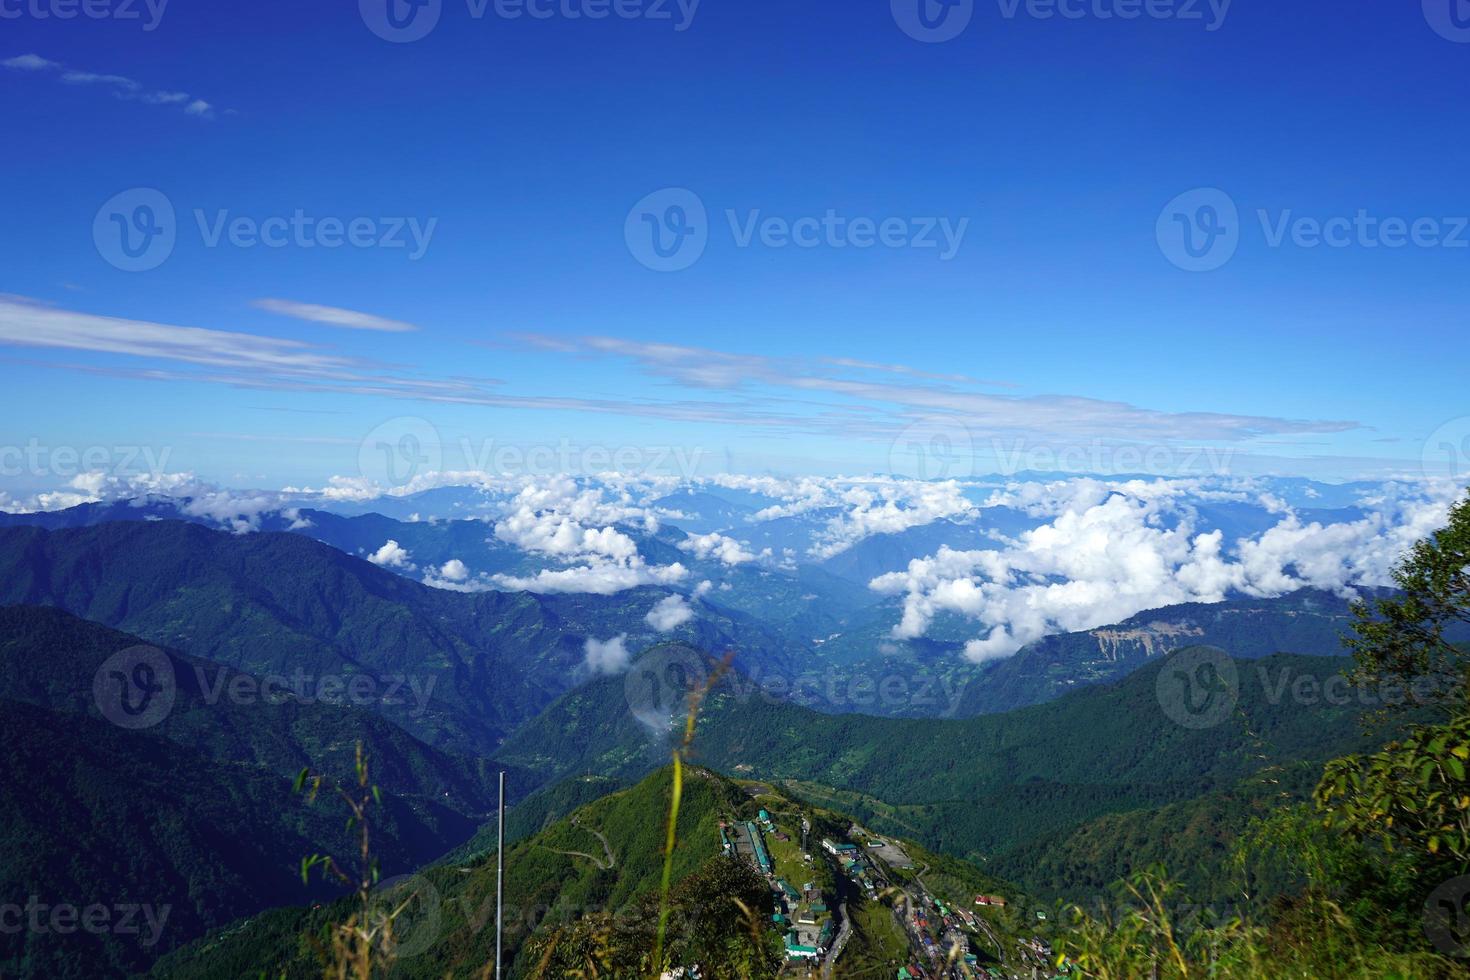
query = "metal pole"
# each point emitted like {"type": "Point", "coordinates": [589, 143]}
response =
{"type": "Point", "coordinates": [500, 878]}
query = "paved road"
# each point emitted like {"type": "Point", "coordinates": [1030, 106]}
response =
{"type": "Point", "coordinates": [838, 943]}
{"type": "Point", "coordinates": [611, 859]}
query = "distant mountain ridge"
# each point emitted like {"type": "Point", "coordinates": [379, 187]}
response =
{"type": "Point", "coordinates": [782, 621]}
{"type": "Point", "coordinates": [1308, 622]}
{"type": "Point", "coordinates": [281, 603]}
{"type": "Point", "coordinates": [976, 786]}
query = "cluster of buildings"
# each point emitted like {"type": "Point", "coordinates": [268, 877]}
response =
{"type": "Point", "coordinates": [802, 914]}
{"type": "Point", "coordinates": [854, 864]}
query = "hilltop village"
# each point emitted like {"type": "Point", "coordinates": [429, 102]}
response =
{"type": "Point", "coordinates": [830, 885]}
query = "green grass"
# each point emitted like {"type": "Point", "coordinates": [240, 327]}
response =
{"type": "Point", "coordinates": [878, 946]}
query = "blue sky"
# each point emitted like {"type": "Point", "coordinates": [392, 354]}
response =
{"type": "Point", "coordinates": [1049, 148]}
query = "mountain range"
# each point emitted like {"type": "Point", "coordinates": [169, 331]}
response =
{"type": "Point", "coordinates": [290, 646]}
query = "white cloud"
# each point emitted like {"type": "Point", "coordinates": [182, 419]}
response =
{"type": "Point", "coordinates": [554, 533]}
{"type": "Point", "coordinates": [94, 78]}
{"type": "Point", "coordinates": [241, 512]}
{"type": "Point", "coordinates": [607, 656]}
{"type": "Point", "coordinates": [29, 62]}
{"type": "Point", "coordinates": [333, 316]}
{"type": "Point", "coordinates": [1100, 561]}
{"type": "Point", "coordinates": [604, 578]}
{"type": "Point", "coordinates": [30, 324]}
{"type": "Point", "coordinates": [890, 507]}
{"type": "Point", "coordinates": [727, 550]}
{"type": "Point", "coordinates": [121, 86]}
{"type": "Point", "coordinates": [669, 612]}
{"type": "Point", "coordinates": [454, 576]}
{"type": "Point", "coordinates": [391, 555]}
{"type": "Point", "coordinates": [573, 523]}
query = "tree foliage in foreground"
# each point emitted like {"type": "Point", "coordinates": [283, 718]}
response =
{"type": "Point", "coordinates": [1387, 835]}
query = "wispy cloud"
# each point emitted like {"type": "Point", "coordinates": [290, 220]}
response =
{"type": "Point", "coordinates": [848, 362]}
{"type": "Point", "coordinates": [29, 62]}
{"type": "Point", "coordinates": [121, 86]}
{"type": "Point", "coordinates": [786, 396]}
{"type": "Point", "coordinates": [252, 361]}
{"type": "Point", "coordinates": [27, 324]}
{"type": "Point", "coordinates": [922, 394]}
{"type": "Point", "coordinates": [333, 316]}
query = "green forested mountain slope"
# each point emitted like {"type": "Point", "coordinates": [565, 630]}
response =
{"type": "Point", "coordinates": [978, 786]}
{"type": "Point", "coordinates": [94, 816]}
{"type": "Point", "coordinates": [605, 856]}
{"type": "Point", "coordinates": [282, 603]}
{"type": "Point", "coordinates": [51, 659]}
{"type": "Point", "coordinates": [1194, 840]}
{"type": "Point", "coordinates": [562, 883]}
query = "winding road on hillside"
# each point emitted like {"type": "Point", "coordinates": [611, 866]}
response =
{"type": "Point", "coordinates": [843, 933]}
{"type": "Point", "coordinates": [611, 861]}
